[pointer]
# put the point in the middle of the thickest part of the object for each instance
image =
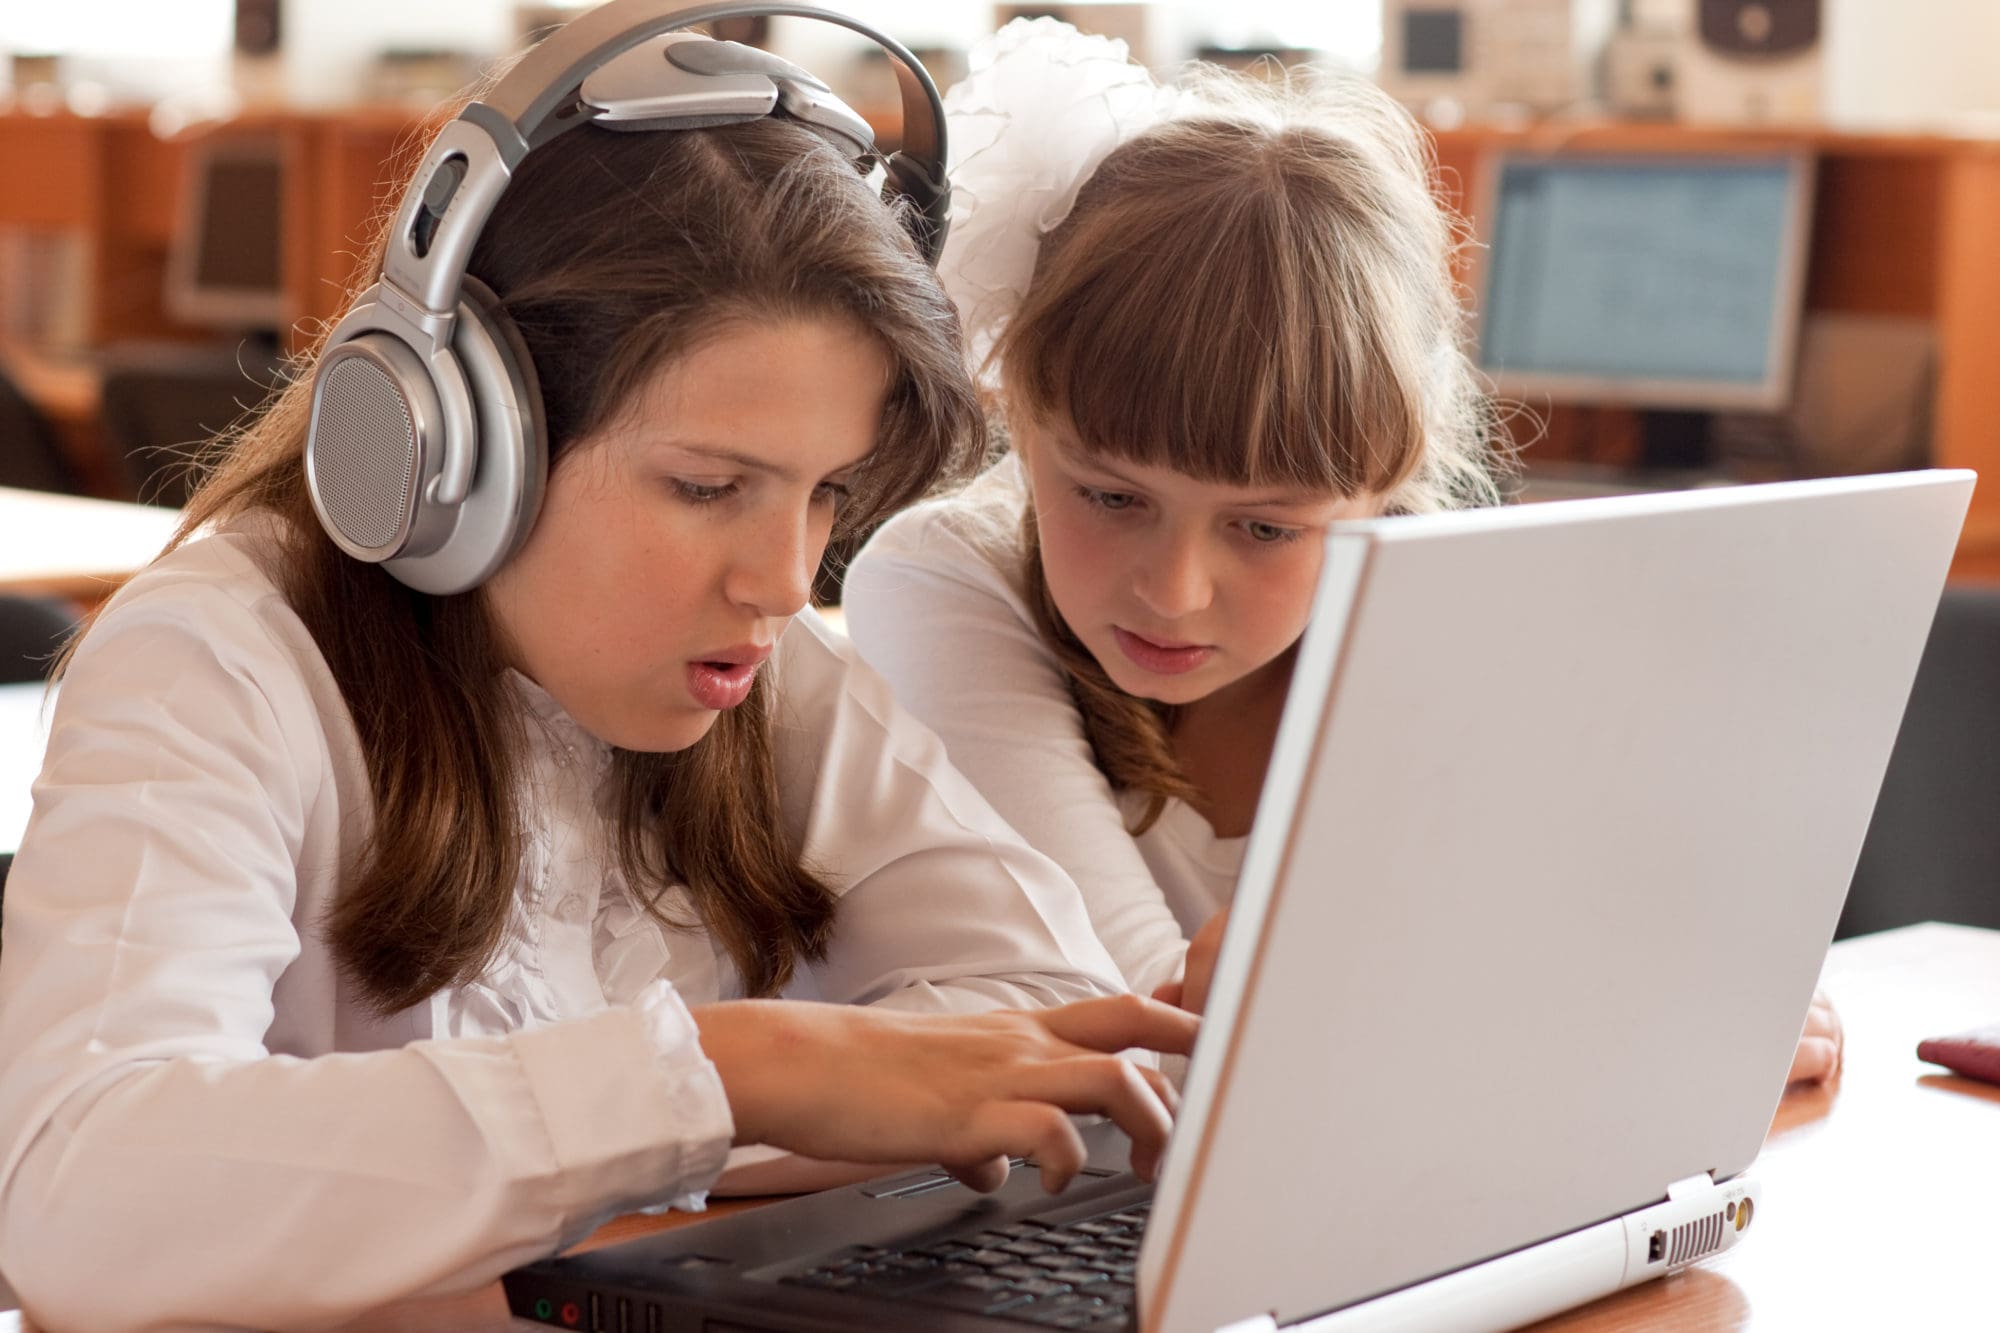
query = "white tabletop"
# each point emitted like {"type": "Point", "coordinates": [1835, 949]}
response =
{"type": "Point", "coordinates": [74, 547]}
{"type": "Point", "coordinates": [23, 736]}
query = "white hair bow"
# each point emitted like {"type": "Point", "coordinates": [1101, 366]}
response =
{"type": "Point", "coordinates": [1040, 109]}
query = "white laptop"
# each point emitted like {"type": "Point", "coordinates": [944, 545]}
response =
{"type": "Point", "coordinates": [1560, 819]}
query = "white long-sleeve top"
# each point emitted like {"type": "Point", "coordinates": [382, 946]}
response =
{"type": "Point", "coordinates": [203, 1123]}
{"type": "Point", "coordinates": [937, 602]}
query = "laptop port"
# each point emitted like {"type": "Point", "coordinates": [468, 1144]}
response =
{"type": "Point", "coordinates": [1656, 1248]}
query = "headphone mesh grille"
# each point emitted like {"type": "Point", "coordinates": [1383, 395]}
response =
{"type": "Point", "coordinates": [365, 453]}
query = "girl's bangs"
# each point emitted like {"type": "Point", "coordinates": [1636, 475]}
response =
{"type": "Point", "coordinates": [1225, 358]}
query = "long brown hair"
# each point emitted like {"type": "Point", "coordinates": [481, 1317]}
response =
{"type": "Point", "coordinates": [1257, 292]}
{"type": "Point", "coordinates": [613, 253]}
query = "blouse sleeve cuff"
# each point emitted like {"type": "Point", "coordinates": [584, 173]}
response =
{"type": "Point", "coordinates": [634, 1112]}
{"type": "Point", "coordinates": [699, 1098]}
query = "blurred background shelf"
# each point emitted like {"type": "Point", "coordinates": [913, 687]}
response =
{"type": "Point", "coordinates": [115, 365]}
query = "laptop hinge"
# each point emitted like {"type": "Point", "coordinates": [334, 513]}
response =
{"type": "Point", "coordinates": [1692, 1188]}
{"type": "Point", "coordinates": [1256, 1323]}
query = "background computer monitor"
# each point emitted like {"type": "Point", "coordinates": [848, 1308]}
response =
{"type": "Point", "coordinates": [225, 269]}
{"type": "Point", "coordinates": [1659, 282]}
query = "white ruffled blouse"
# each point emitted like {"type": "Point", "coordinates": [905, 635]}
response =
{"type": "Point", "coordinates": [577, 938]}
{"type": "Point", "coordinates": [202, 1120]}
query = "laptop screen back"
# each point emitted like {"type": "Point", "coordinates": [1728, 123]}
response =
{"type": "Point", "coordinates": [1563, 809]}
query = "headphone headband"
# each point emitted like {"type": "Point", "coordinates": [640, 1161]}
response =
{"type": "Point", "coordinates": [547, 77]}
{"type": "Point", "coordinates": [542, 96]}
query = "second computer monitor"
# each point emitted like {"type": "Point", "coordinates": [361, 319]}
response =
{"type": "Point", "coordinates": [225, 270]}
{"type": "Point", "coordinates": [1658, 281]}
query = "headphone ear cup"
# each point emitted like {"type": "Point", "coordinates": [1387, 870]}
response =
{"type": "Point", "coordinates": [512, 464]}
{"type": "Point", "coordinates": [375, 442]}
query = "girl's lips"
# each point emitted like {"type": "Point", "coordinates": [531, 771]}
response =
{"type": "Point", "coordinates": [1161, 661]}
{"type": "Point", "coordinates": [720, 685]}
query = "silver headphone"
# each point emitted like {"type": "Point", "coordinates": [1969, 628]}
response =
{"type": "Point", "coordinates": [427, 452]}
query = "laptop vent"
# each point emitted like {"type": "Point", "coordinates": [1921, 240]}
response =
{"type": "Point", "coordinates": [1691, 1240]}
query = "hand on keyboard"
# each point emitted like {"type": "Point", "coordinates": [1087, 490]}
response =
{"type": "Point", "coordinates": [967, 1091]}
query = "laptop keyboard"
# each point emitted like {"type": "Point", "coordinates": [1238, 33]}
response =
{"type": "Point", "coordinates": [1077, 1275]}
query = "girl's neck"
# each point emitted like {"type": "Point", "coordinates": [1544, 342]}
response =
{"type": "Point", "coordinates": [1223, 743]}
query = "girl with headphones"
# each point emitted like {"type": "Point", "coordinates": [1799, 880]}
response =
{"type": "Point", "coordinates": [1214, 318]}
{"type": "Point", "coordinates": [441, 847]}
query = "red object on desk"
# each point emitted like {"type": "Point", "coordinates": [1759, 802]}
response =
{"type": "Point", "coordinates": [1975, 1054]}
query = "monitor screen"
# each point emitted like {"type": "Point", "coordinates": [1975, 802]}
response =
{"type": "Point", "coordinates": [226, 266]}
{"type": "Point", "coordinates": [1654, 282]}
{"type": "Point", "coordinates": [1433, 41]}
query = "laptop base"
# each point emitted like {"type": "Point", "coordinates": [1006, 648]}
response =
{"type": "Point", "coordinates": [1698, 1219]}
{"type": "Point", "coordinates": [739, 1273]}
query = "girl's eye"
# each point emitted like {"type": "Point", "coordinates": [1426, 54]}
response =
{"type": "Point", "coordinates": [830, 492]}
{"type": "Point", "coordinates": [1268, 534]}
{"type": "Point", "coordinates": [695, 492]}
{"type": "Point", "coordinates": [1112, 500]}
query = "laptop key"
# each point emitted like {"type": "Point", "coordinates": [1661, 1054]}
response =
{"type": "Point", "coordinates": [902, 1284]}
{"type": "Point", "coordinates": [985, 1282]}
{"type": "Point", "coordinates": [1020, 1271]}
{"type": "Point", "coordinates": [1075, 1277]}
{"type": "Point", "coordinates": [947, 1253]}
{"type": "Point", "coordinates": [991, 1258]}
{"type": "Point", "coordinates": [960, 1295]}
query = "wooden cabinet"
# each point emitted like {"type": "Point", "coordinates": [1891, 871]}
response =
{"type": "Point", "coordinates": [1903, 225]}
{"type": "Point", "coordinates": [111, 182]}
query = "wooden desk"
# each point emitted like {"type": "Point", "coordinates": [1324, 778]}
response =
{"type": "Point", "coordinates": [1877, 1189]}
{"type": "Point", "coordinates": [1875, 1212]}
{"type": "Point", "coordinates": [71, 547]}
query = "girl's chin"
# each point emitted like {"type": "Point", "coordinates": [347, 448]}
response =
{"type": "Point", "coordinates": [660, 735]}
{"type": "Point", "coordinates": [1171, 690]}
